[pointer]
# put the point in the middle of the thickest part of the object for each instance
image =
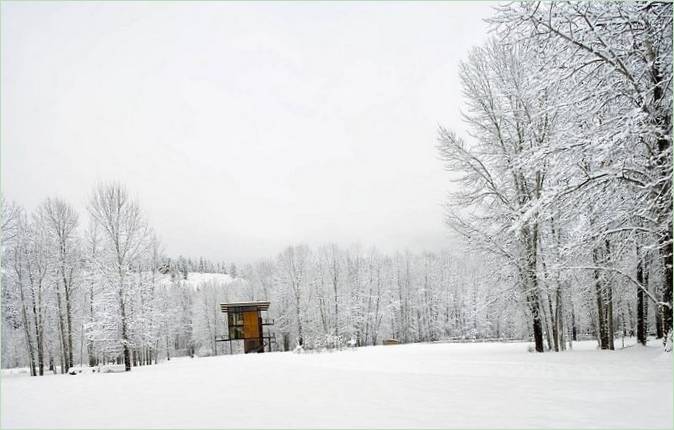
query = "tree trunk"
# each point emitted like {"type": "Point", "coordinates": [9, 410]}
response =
{"type": "Point", "coordinates": [666, 256]}
{"type": "Point", "coordinates": [546, 326]}
{"type": "Point", "coordinates": [538, 333]}
{"type": "Point", "coordinates": [125, 338]}
{"type": "Point", "coordinates": [90, 343]}
{"type": "Point", "coordinates": [601, 320]}
{"type": "Point", "coordinates": [62, 328]}
{"type": "Point", "coordinates": [40, 347]}
{"type": "Point", "coordinates": [641, 299]}
{"type": "Point", "coordinates": [69, 327]}
{"type": "Point", "coordinates": [666, 253]}
{"type": "Point", "coordinates": [609, 317]}
{"type": "Point", "coordinates": [602, 329]}
{"type": "Point", "coordinates": [659, 315]}
{"type": "Point", "coordinates": [26, 329]}
{"type": "Point", "coordinates": [168, 347]}
{"type": "Point", "coordinates": [574, 330]}
{"type": "Point", "coordinates": [298, 316]}
{"type": "Point", "coordinates": [554, 328]}
{"type": "Point", "coordinates": [537, 324]}
{"type": "Point", "coordinates": [529, 238]}
{"type": "Point", "coordinates": [559, 311]}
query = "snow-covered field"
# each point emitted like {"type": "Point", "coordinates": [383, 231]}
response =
{"type": "Point", "coordinates": [421, 385]}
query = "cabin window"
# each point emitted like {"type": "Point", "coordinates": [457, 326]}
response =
{"type": "Point", "coordinates": [235, 325]}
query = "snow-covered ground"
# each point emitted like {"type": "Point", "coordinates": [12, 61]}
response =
{"type": "Point", "coordinates": [196, 279]}
{"type": "Point", "coordinates": [421, 385]}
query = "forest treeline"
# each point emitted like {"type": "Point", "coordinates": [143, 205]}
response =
{"type": "Point", "coordinates": [150, 308]}
{"type": "Point", "coordinates": [85, 293]}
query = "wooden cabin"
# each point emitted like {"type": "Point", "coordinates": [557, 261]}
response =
{"type": "Point", "coordinates": [244, 322]}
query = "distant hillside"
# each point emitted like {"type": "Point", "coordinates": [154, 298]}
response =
{"type": "Point", "coordinates": [196, 279]}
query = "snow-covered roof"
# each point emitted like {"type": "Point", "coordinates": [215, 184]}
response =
{"type": "Point", "coordinates": [260, 305]}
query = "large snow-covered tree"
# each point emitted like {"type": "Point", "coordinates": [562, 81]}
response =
{"type": "Point", "coordinates": [124, 240]}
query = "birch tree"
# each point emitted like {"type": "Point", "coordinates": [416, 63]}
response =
{"type": "Point", "coordinates": [125, 239]}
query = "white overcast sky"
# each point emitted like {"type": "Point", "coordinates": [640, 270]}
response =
{"type": "Point", "coordinates": [240, 127]}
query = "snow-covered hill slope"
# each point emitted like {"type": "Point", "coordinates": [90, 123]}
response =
{"type": "Point", "coordinates": [412, 386]}
{"type": "Point", "coordinates": [195, 279]}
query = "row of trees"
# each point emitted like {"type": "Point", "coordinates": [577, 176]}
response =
{"type": "Point", "coordinates": [364, 296]}
{"type": "Point", "coordinates": [73, 295]}
{"type": "Point", "coordinates": [183, 266]}
{"type": "Point", "coordinates": [109, 294]}
{"type": "Point", "coordinates": [566, 177]}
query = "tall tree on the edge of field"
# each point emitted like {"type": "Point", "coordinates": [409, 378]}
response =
{"type": "Point", "coordinates": [37, 266]}
{"type": "Point", "coordinates": [14, 254]}
{"type": "Point", "coordinates": [91, 250]}
{"type": "Point", "coordinates": [61, 222]}
{"type": "Point", "coordinates": [293, 268]}
{"type": "Point", "coordinates": [125, 237]}
{"type": "Point", "coordinates": [501, 173]}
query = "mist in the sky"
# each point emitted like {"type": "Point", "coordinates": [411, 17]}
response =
{"type": "Point", "coordinates": [240, 127]}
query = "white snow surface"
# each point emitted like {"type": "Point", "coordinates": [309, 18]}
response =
{"type": "Point", "coordinates": [196, 279]}
{"type": "Point", "coordinates": [489, 385]}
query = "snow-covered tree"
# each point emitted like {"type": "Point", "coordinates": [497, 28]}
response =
{"type": "Point", "coordinates": [124, 240]}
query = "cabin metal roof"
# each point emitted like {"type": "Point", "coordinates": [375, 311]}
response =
{"type": "Point", "coordinates": [234, 306]}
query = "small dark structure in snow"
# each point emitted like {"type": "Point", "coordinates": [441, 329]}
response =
{"type": "Point", "coordinates": [391, 342]}
{"type": "Point", "coordinates": [244, 322]}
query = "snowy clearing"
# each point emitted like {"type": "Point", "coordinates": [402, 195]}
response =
{"type": "Point", "coordinates": [420, 385]}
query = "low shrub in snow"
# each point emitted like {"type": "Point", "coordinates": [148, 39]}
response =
{"type": "Point", "coordinates": [322, 343]}
{"type": "Point", "coordinates": [110, 368]}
